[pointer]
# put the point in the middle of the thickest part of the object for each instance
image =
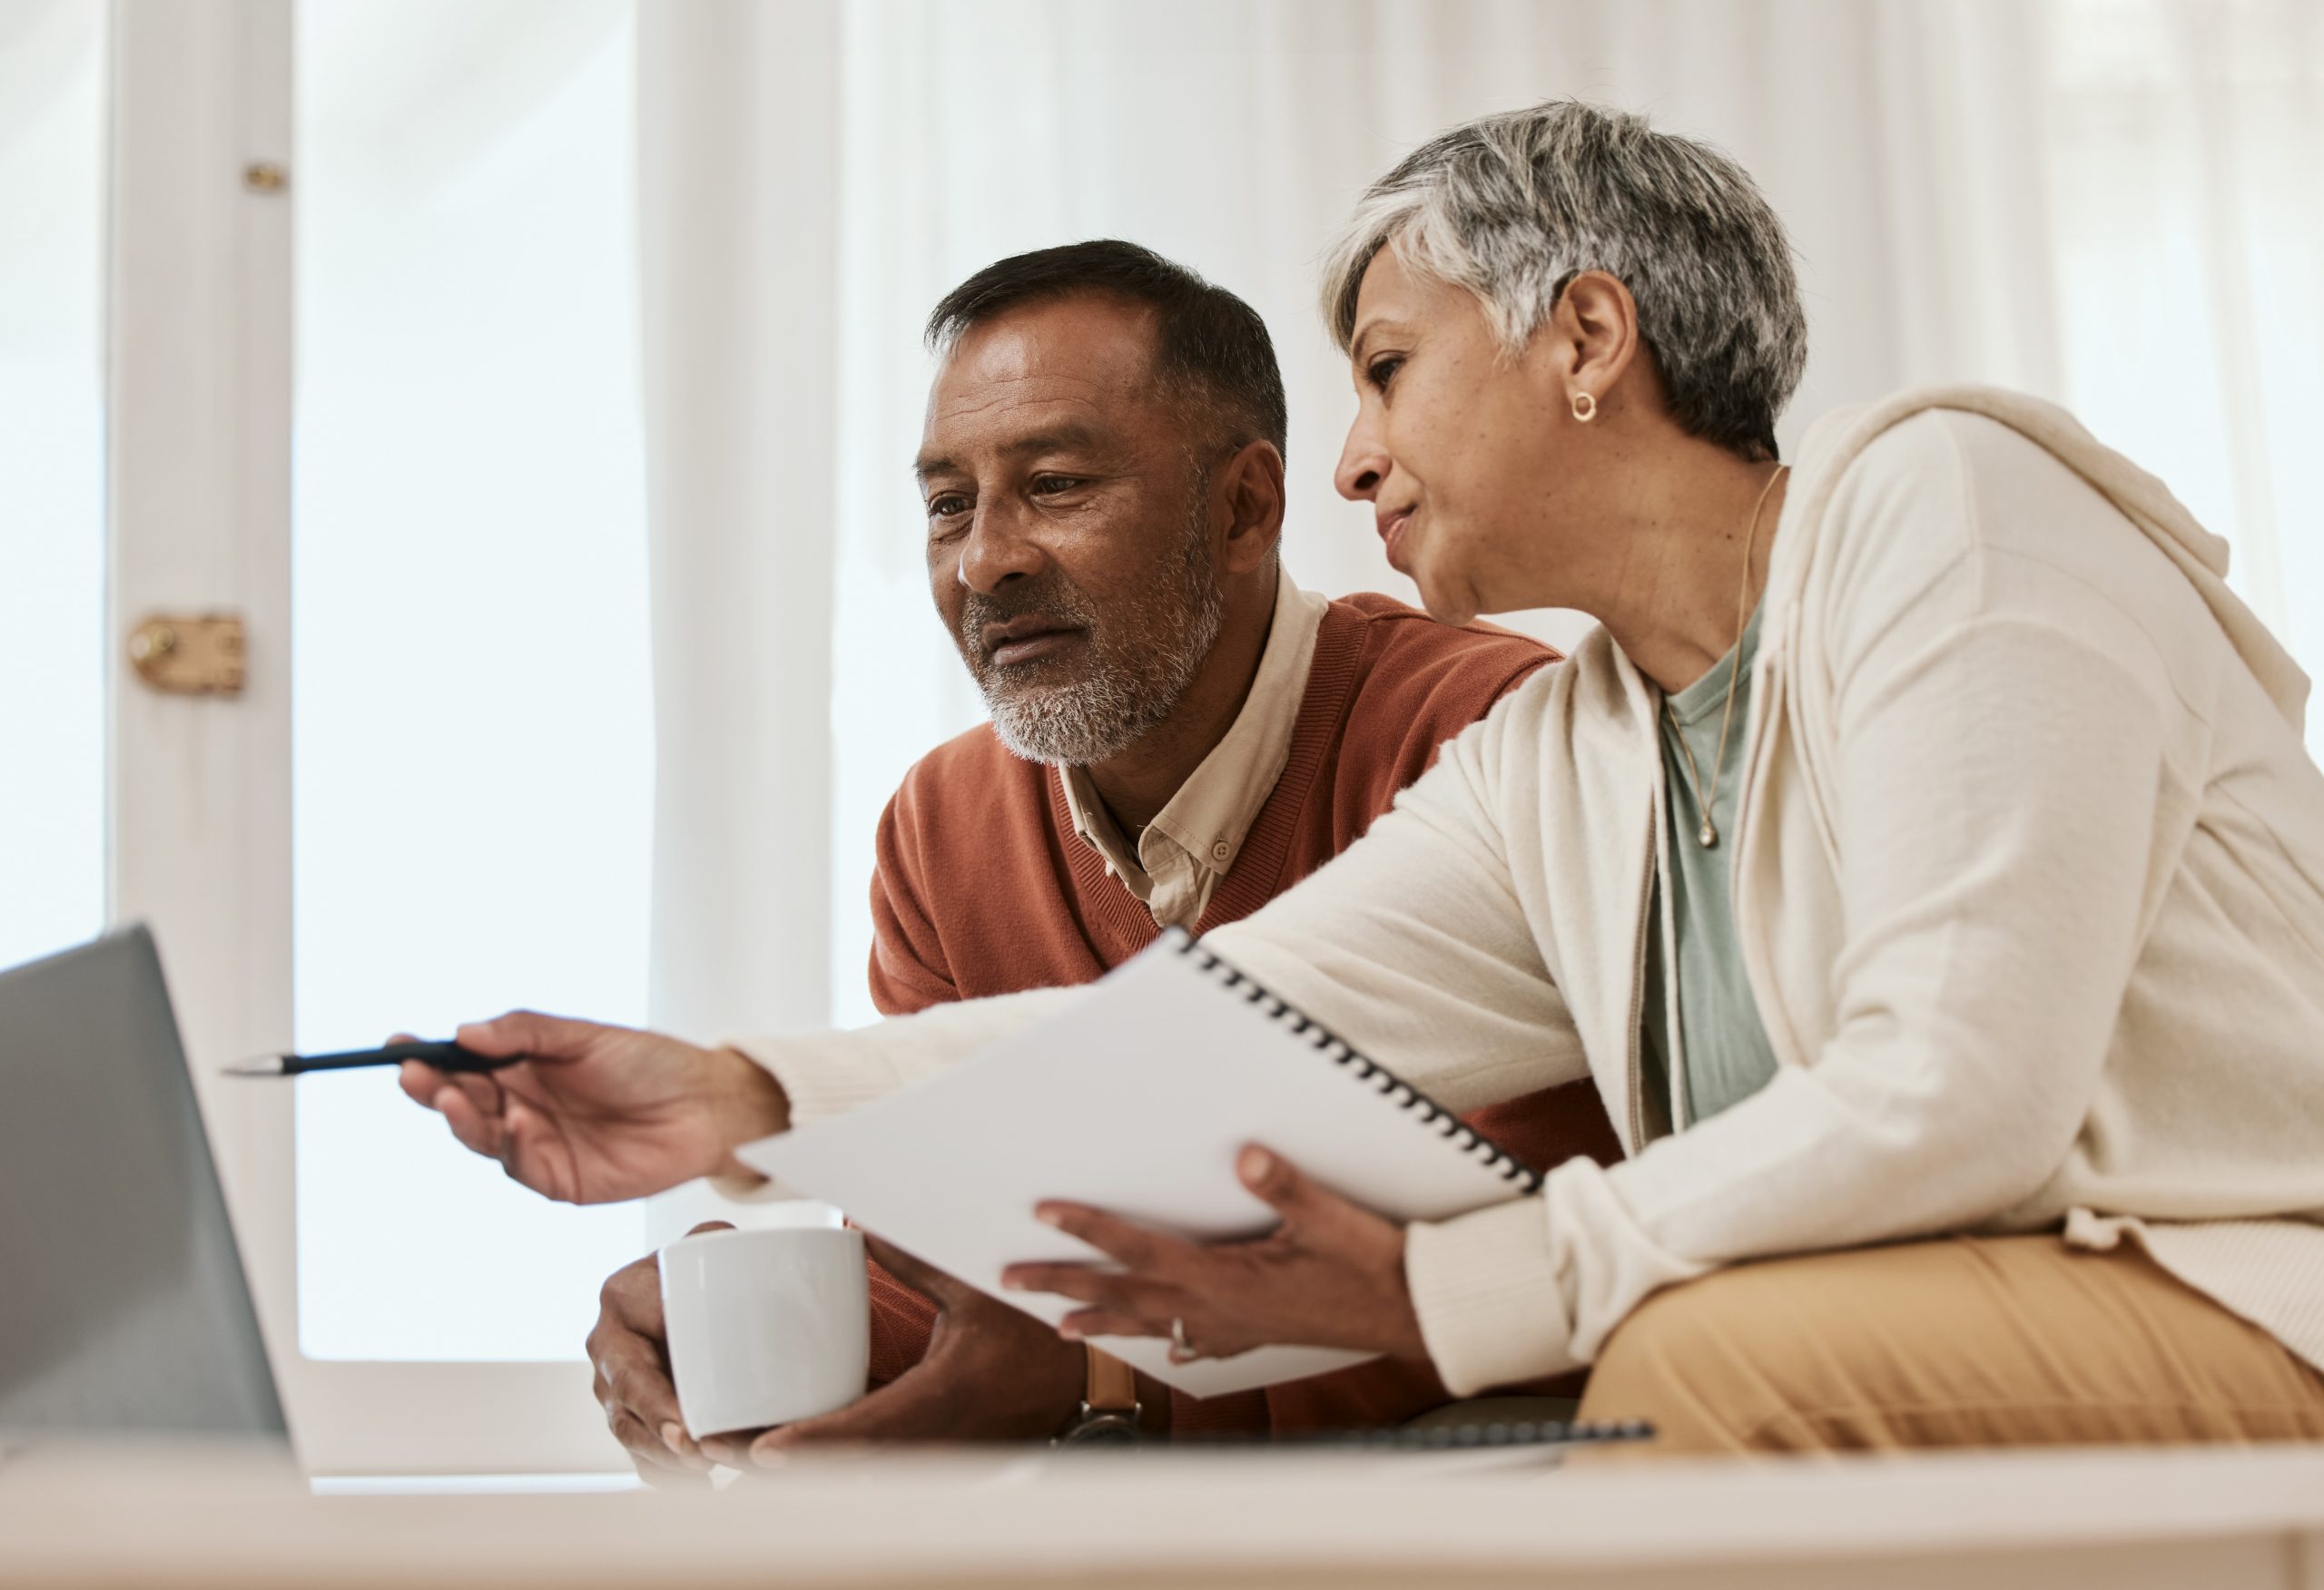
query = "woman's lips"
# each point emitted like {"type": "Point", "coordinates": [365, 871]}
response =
{"type": "Point", "coordinates": [1033, 648]}
{"type": "Point", "coordinates": [1391, 536]}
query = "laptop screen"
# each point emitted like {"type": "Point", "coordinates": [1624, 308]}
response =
{"type": "Point", "coordinates": [122, 1302]}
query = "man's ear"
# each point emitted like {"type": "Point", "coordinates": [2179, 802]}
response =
{"type": "Point", "coordinates": [1251, 485]}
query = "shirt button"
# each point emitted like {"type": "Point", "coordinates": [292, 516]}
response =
{"type": "Point", "coordinates": [1221, 850]}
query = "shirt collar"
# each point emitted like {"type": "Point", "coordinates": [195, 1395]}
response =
{"type": "Point", "coordinates": [1211, 814]}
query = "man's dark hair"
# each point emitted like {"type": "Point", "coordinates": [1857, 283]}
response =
{"type": "Point", "coordinates": [1208, 343]}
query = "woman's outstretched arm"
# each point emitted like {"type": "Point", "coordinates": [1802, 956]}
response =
{"type": "Point", "coordinates": [1412, 942]}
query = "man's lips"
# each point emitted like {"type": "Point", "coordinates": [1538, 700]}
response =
{"type": "Point", "coordinates": [1022, 640]}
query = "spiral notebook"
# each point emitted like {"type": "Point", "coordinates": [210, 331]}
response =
{"type": "Point", "coordinates": [1136, 1099]}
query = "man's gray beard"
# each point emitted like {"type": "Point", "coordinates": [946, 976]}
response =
{"type": "Point", "coordinates": [1141, 666]}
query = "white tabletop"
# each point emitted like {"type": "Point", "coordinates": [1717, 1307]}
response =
{"type": "Point", "coordinates": [2221, 1520]}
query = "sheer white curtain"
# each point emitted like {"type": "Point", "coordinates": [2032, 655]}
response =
{"type": "Point", "coordinates": [2187, 157]}
{"type": "Point", "coordinates": [1233, 136]}
{"type": "Point", "coordinates": [2112, 203]}
{"type": "Point", "coordinates": [737, 124]}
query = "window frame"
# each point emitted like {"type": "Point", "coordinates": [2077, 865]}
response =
{"type": "Point", "coordinates": [201, 298]}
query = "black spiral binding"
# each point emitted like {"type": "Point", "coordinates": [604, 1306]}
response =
{"type": "Point", "coordinates": [1345, 1055]}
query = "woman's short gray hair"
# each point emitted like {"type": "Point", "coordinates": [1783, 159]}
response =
{"type": "Point", "coordinates": [1514, 206]}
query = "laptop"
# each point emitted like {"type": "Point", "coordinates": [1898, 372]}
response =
{"type": "Point", "coordinates": [123, 1306]}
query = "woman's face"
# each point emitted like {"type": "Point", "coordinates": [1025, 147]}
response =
{"type": "Point", "coordinates": [1453, 445]}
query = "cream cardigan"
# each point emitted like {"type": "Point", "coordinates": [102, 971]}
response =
{"type": "Point", "coordinates": [2029, 880]}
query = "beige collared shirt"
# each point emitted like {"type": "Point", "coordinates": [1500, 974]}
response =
{"type": "Point", "coordinates": [1194, 839]}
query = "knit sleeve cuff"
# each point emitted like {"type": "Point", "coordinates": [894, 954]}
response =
{"type": "Point", "coordinates": [1485, 1287]}
{"type": "Point", "coordinates": [815, 1082]}
{"type": "Point", "coordinates": [830, 1073]}
{"type": "Point", "coordinates": [824, 1073]}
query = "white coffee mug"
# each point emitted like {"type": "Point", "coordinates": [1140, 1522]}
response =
{"type": "Point", "coordinates": [766, 1326]}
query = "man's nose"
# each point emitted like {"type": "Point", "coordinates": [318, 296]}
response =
{"type": "Point", "coordinates": [997, 551]}
{"type": "Point", "coordinates": [1363, 463]}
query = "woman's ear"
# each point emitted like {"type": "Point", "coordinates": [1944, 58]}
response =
{"type": "Point", "coordinates": [1595, 329]}
{"type": "Point", "coordinates": [1252, 485]}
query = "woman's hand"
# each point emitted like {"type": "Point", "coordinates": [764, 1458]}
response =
{"type": "Point", "coordinates": [596, 1114]}
{"type": "Point", "coordinates": [1331, 1275]}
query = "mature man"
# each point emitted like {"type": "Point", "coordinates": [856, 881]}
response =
{"type": "Point", "coordinates": [1178, 734]}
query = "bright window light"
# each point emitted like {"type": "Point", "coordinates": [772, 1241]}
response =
{"type": "Point", "coordinates": [473, 738]}
{"type": "Point", "coordinates": [52, 475]}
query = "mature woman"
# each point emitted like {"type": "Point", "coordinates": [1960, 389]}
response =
{"type": "Point", "coordinates": [1922, 857]}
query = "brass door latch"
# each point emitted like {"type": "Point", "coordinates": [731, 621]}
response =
{"type": "Point", "coordinates": [197, 655]}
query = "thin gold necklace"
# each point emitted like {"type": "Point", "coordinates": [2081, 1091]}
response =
{"type": "Point", "coordinates": [1708, 833]}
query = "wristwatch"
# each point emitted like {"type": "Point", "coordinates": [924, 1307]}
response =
{"type": "Point", "coordinates": [1109, 1406]}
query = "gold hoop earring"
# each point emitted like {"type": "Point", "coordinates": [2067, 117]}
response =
{"type": "Point", "coordinates": [1585, 408]}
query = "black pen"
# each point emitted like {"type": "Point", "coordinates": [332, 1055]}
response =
{"type": "Point", "coordinates": [442, 1056]}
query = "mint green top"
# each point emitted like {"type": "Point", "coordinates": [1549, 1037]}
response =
{"type": "Point", "coordinates": [1725, 1046]}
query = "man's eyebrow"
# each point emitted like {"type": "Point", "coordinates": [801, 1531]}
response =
{"type": "Point", "coordinates": [1059, 438]}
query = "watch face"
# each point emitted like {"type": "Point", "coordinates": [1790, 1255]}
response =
{"type": "Point", "coordinates": [1097, 1427]}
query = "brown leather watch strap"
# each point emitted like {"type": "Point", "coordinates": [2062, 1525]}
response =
{"type": "Point", "coordinates": [1113, 1384]}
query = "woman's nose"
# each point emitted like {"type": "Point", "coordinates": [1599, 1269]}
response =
{"type": "Point", "coordinates": [1362, 465]}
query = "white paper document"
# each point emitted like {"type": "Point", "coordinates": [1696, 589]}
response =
{"type": "Point", "coordinates": [1136, 1099]}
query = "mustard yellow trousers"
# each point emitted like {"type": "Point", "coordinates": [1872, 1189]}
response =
{"type": "Point", "coordinates": [1964, 1341]}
